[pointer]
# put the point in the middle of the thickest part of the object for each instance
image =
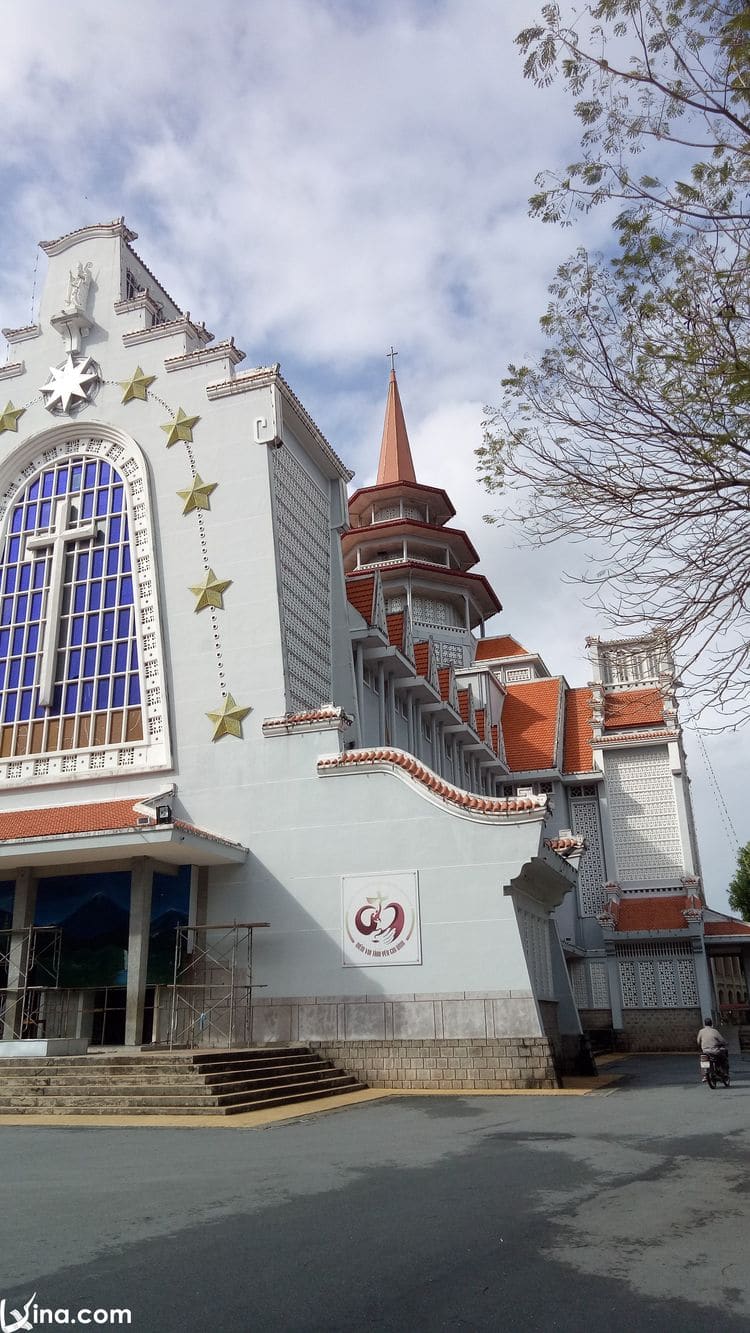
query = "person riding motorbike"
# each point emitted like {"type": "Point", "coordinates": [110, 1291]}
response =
{"type": "Point", "coordinates": [712, 1043]}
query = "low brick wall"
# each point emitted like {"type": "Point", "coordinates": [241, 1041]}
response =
{"type": "Point", "coordinates": [592, 1019]}
{"type": "Point", "coordinates": [660, 1029]}
{"type": "Point", "coordinates": [512, 1062]}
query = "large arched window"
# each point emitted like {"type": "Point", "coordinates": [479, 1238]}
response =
{"type": "Point", "coordinates": [81, 686]}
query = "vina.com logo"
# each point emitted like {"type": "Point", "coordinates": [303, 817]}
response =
{"type": "Point", "coordinates": [32, 1316]}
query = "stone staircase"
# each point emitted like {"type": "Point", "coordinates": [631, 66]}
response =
{"type": "Point", "coordinates": [171, 1083]}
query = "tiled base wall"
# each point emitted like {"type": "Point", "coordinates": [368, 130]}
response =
{"type": "Point", "coordinates": [458, 1014]}
{"type": "Point", "coordinates": [660, 1029]}
{"type": "Point", "coordinates": [514, 1062]}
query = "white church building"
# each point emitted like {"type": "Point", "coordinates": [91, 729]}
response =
{"type": "Point", "coordinates": [266, 776]}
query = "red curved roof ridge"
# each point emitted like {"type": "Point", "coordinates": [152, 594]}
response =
{"type": "Point", "coordinates": [332, 713]}
{"type": "Point", "coordinates": [664, 734]}
{"type": "Point", "coordinates": [530, 724]}
{"type": "Point", "coordinates": [578, 735]}
{"type": "Point", "coordinates": [633, 708]}
{"type": "Point", "coordinates": [487, 805]}
{"type": "Point", "coordinates": [502, 646]}
{"type": "Point", "coordinates": [393, 485]}
{"type": "Point", "coordinates": [567, 845]}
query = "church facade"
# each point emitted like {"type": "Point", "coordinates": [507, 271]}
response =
{"type": "Point", "coordinates": [265, 776]}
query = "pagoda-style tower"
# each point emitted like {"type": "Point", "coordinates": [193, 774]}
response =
{"type": "Point", "coordinates": [399, 526]}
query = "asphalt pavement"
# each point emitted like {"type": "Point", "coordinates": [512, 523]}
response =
{"type": "Point", "coordinates": [624, 1209]}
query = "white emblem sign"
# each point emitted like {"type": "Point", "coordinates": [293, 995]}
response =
{"type": "Point", "coordinates": [380, 919]}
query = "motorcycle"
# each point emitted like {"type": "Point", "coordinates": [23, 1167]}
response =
{"type": "Point", "coordinates": [715, 1067]}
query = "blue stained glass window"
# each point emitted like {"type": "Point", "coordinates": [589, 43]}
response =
{"type": "Point", "coordinates": [91, 672]}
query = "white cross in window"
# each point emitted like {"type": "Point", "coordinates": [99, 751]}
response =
{"type": "Point", "coordinates": [57, 540]}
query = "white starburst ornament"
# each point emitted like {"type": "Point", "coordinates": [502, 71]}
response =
{"type": "Point", "coordinates": [71, 384]}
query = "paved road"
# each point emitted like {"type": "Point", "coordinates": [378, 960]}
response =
{"type": "Point", "coordinates": [623, 1210]}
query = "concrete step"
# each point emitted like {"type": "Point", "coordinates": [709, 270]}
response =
{"type": "Point", "coordinates": [200, 1103]}
{"type": "Point", "coordinates": [183, 1083]}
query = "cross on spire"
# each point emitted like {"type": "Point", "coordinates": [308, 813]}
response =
{"type": "Point", "coordinates": [392, 354]}
{"type": "Point", "coordinates": [56, 541]}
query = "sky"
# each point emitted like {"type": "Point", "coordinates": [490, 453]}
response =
{"type": "Point", "coordinates": [325, 179]}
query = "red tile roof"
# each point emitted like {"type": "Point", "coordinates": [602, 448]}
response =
{"type": "Point", "coordinates": [422, 657]}
{"type": "Point", "coordinates": [58, 820]}
{"type": "Point", "coordinates": [464, 704]}
{"type": "Point", "coordinates": [360, 592]}
{"type": "Point", "coordinates": [495, 738]}
{"type": "Point", "coordinates": [444, 681]}
{"type": "Point", "coordinates": [504, 646]}
{"type": "Point", "coordinates": [726, 927]}
{"type": "Point", "coordinates": [662, 913]}
{"type": "Point", "coordinates": [395, 622]}
{"type": "Point", "coordinates": [633, 708]}
{"type": "Point", "coordinates": [577, 753]}
{"type": "Point", "coordinates": [480, 715]}
{"type": "Point", "coordinates": [529, 722]}
{"type": "Point", "coordinates": [400, 759]}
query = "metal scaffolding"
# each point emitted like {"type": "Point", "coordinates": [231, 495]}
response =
{"type": "Point", "coordinates": [211, 992]}
{"type": "Point", "coordinates": [29, 967]}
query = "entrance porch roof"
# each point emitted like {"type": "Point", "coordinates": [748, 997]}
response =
{"type": "Point", "coordinates": [106, 831]}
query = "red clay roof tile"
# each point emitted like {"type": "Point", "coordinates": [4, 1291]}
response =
{"type": "Point", "coordinates": [503, 646]}
{"type": "Point", "coordinates": [360, 592]}
{"type": "Point", "coordinates": [633, 708]}
{"type": "Point", "coordinates": [653, 913]}
{"type": "Point", "coordinates": [726, 927]}
{"type": "Point", "coordinates": [577, 753]}
{"type": "Point", "coordinates": [529, 722]}
{"type": "Point", "coordinates": [58, 820]}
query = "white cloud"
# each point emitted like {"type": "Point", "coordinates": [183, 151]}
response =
{"type": "Point", "coordinates": [320, 179]}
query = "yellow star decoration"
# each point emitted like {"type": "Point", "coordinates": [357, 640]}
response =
{"type": "Point", "coordinates": [210, 592]}
{"type": "Point", "coordinates": [10, 417]}
{"type": "Point", "coordinates": [197, 496]}
{"type": "Point", "coordinates": [137, 386]}
{"type": "Point", "coordinates": [228, 719]}
{"type": "Point", "coordinates": [180, 429]}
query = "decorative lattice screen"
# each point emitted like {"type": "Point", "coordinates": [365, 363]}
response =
{"type": "Point", "coordinates": [584, 818]}
{"type": "Point", "coordinates": [640, 790]}
{"type": "Point", "coordinates": [303, 534]}
{"type": "Point", "coordinates": [657, 976]}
